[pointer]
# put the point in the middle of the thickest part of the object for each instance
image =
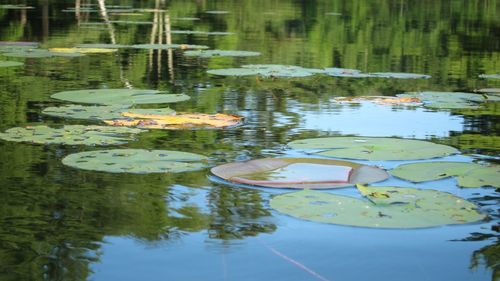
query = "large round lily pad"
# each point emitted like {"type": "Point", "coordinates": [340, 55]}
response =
{"type": "Point", "coordinates": [369, 148]}
{"type": "Point", "coordinates": [451, 100]}
{"type": "Point", "coordinates": [299, 173]}
{"type": "Point", "coordinates": [10, 63]}
{"type": "Point", "coordinates": [168, 46]}
{"type": "Point", "coordinates": [345, 72]}
{"type": "Point", "coordinates": [119, 96]}
{"type": "Point", "coordinates": [467, 174]}
{"type": "Point", "coordinates": [177, 121]}
{"type": "Point", "coordinates": [384, 207]}
{"type": "Point", "coordinates": [99, 112]}
{"type": "Point", "coordinates": [220, 53]}
{"type": "Point", "coordinates": [138, 161]}
{"type": "Point", "coordinates": [400, 75]}
{"type": "Point", "coordinates": [71, 135]}
{"type": "Point", "coordinates": [266, 70]}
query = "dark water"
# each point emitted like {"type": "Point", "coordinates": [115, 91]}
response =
{"type": "Point", "coordinates": [60, 223]}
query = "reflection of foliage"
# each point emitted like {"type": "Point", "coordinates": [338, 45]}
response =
{"type": "Point", "coordinates": [490, 256]}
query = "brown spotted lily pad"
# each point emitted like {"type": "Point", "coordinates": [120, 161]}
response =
{"type": "Point", "coordinates": [300, 173]}
{"type": "Point", "coordinates": [177, 121]}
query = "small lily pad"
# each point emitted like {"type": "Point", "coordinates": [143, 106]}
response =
{"type": "Point", "coordinates": [299, 173]}
{"type": "Point", "coordinates": [345, 72]}
{"type": "Point", "coordinates": [234, 72]}
{"type": "Point", "coordinates": [10, 63]}
{"type": "Point", "coordinates": [186, 19]}
{"type": "Point", "coordinates": [168, 46]}
{"type": "Point", "coordinates": [400, 75]}
{"type": "Point", "coordinates": [101, 46]}
{"type": "Point", "coordinates": [200, 32]}
{"type": "Point", "coordinates": [266, 70]}
{"type": "Point", "coordinates": [217, 12]}
{"type": "Point", "coordinates": [177, 121]}
{"type": "Point", "coordinates": [467, 174]}
{"type": "Point", "coordinates": [490, 76]}
{"type": "Point", "coordinates": [71, 135]}
{"type": "Point", "coordinates": [369, 148]}
{"type": "Point", "coordinates": [119, 96]}
{"type": "Point", "coordinates": [137, 161]}
{"type": "Point", "coordinates": [99, 112]}
{"type": "Point", "coordinates": [20, 43]}
{"type": "Point", "coordinates": [38, 53]}
{"type": "Point", "coordinates": [16, 7]}
{"type": "Point", "coordinates": [220, 53]}
{"type": "Point", "coordinates": [451, 100]}
{"type": "Point", "coordinates": [403, 208]}
{"type": "Point", "coordinates": [83, 50]}
{"type": "Point", "coordinates": [382, 100]}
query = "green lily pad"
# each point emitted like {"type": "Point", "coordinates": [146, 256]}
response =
{"type": "Point", "coordinates": [220, 53]}
{"type": "Point", "coordinates": [131, 22]}
{"type": "Point", "coordinates": [119, 96]}
{"type": "Point", "coordinates": [451, 100]}
{"type": "Point", "coordinates": [137, 161]}
{"type": "Point", "coordinates": [345, 72]}
{"type": "Point", "coordinates": [489, 90]}
{"type": "Point", "coordinates": [267, 70]}
{"type": "Point", "coordinates": [19, 44]}
{"type": "Point", "coordinates": [490, 76]}
{"type": "Point", "coordinates": [400, 75]}
{"type": "Point", "coordinates": [404, 208]}
{"type": "Point", "coordinates": [10, 63]}
{"type": "Point", "coordinates": [467, 174]}
{"type": "Point", "coordinates": [99, 112]}
{"type": "Point", "coordinates": [234, 72]}
{"type": "Point", "coordinates": [38, 53]}
{"type": "Point", "coordinates": [299, 173]}
{"type": "Point", "coordinates": [368, 148]}
{"type": "Point", "coordinates": [217, 12]}
{"type": "Point", "coordinates": [16, 7]}
{"type": "Point", "coordinates": [71, 135]}
{"type": "Point", "coordinates": [168, 46]}
{"type": "Point", "coordinates": [102, 46]}
{"type": "Point", "coordinates": [200, 32]}
{"type": "Point", "coordinates": [186, 18]}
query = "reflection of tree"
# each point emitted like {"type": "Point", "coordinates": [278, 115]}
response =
{"type": "Point", "coordinates": [490, 256]}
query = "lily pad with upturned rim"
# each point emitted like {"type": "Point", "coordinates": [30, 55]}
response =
{"type": "Point", "coordinates": [467, 174]}
{"type": "Point", "coordinates": [220, 53]}
{"type": "Point", "coordinates": [137, 161]}
{"type": "Point", "coordinates": [10, 63]}
{"type": "Point", "coordinates": [99, 112]}
{"type": "Point", "coordinates": [410, 208]}
{"type": "Point", "coordinates": [71, 135]}
{"type": "Point", "coordinates": [372, 148]}
{"type": "Point", "coordinates": [119, 96]}
{"type": "Point", "coordinates": [299, 173]}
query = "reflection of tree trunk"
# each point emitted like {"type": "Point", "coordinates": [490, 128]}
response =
{"type": "Point", "coordinates": [45, 20]}
{"type": "Point", "coordinates": [104, 14]}
{"type": "Point", "coordinates": [170, 52]}
{"type": "Point", "coordinates": [77, 11]}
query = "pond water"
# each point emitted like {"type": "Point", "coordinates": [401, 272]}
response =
{"type": "Point", "coordinates": [61, 223]}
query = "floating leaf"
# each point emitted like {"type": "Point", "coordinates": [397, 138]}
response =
{"type": "Point", "coordinates": [186, 19]}
{"type": "Point", "coordinates": [234, 72]}
{"type": "Point", "coordinates": [102, 46]}
{"type": "Point", "coordinates": [19, 44]}
{"type": "Point", "coordinates": [83, 50]}
{"type": "Point", "coordinates": [200, 32]}
{"type": "Point", "coordinates": [368, 148]}
{"type": "Point", "coordinates": [220, 53]}
{"type": "Point", "coordinates": [119, 96]}
{"type": "Point", "coordinates": [10, 63]}
{"type": "Point", "coordinates": [312, 173]}
{"type": "Point", "coordinates": [383, 100]}
{"type": "Point", "coordinates": [467, 174]}
{"type": "Point", "coordinates": [137, 161]}
{"type": "Point", "coordinates": [489, 90]}
{"type": "Point", "coordinates": [490, 76]}
{"type": "Point", "coordinates": [131, 22]}
{"type": "Point", "coordinates": [168, 46]}
{"type": "Point", "coordinates": [71, 135]}
{"type": "Point", "coordinates": [345, 72]}
{"type": "Point", "coordinates": [216, 12]}
{"type": "Point", "coordinates": [404, 208]}
{"type": "Point", "coordinates": [16, 7]}
{"type": "Point", "coordinates": [37, 53]}
{"type": "Point", "coordinates": [266, 70]}
{"type": "Point", "coordinates": [450, 100]}
{"type": "Point", "coordinates": [99, 112]}
{"type": "Point", "coordinates": [399, 75]}
{"type": "Point", "coordinates": [177, 121]}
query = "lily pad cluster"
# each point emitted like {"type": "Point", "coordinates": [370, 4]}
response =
{"type": "Point", "coordinates": [451, 100]}
{"type": "Point", "coordinates": [138, 161]}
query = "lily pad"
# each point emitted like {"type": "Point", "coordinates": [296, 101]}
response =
{"type": "Point", "coordinates": [345, 72]}
{"type": "Point", "coordinates": [382, 100]}
{"type": "Point", "coordinates": [168, 46]}
{"type": "Point", "coordinates": [119, 96]}
{"type": "Point", "coordinates": [299, 173]}
{"type": "Point", "coordinates": [489, 90]}
{"type": "Point", "coordinates": [71, 135]}
{"type": "Point", "coordinates": [102, 46]}
{"type": "Point", "coordinates": [467, 174]}
{"type": "Point", "coordinates": [38, 53]}
{"type": "Point", "coordinates": [99, 112]}
{"type": "Point", "coordinates": [200, 32]}
{"type": "Point", "coordinates": [399, 75]}
{"type": "Point", "coordinates": [234, 72]}
{"type": "Point", "coordinates": [403, 208]}
{"type": "Point", "coordinates": [220, 53]}
{"type": "Point", "coordinates": [217, 12]}
{"type": "Point", "coordinates": [16, 7]}
{"type": "Point", "coordinates": [266, 70]}
{"type": "Point", "coordinates": [10, 63]}
{"type": "Point", "coordinates": [186, 18]}
{"type": "Point", "coordinates": [490, 76]}
{"type": "Point", "coordinates": [137, 161]}
{"type": "Point", "coordinates": [83, 50]}
{"type": "Point", "coordinates": [450, 100]}
{"type": "Point", "coordinates": [20, 43]}
{"type": "Point", "coordinates": [369, 148]}
{"type": "Point", "coordinates": [177, 121]}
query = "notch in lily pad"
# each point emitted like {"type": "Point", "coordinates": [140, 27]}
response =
{"type": "Point", "coordinates": [381, 207]}
{"type": "Point", "coordinates": [136, 161]}
{"type": "Point", "coordinates": [71, 135]}
{"type": "Point", "coordinates": [371, 148]}
{"type": "Point", "coordinates": [119, 96]}
{"type": "Point", "coordinates": [467, 174]}
{"type": "Point", "coordinates": [298, 173]}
